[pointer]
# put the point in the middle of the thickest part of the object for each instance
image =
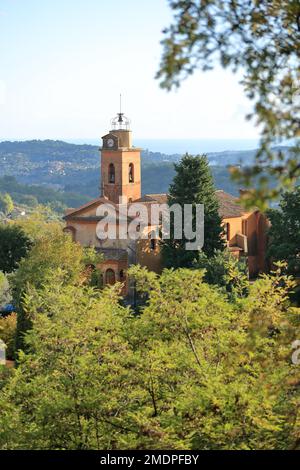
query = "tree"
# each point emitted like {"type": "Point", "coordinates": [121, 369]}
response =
{"type": "Point", "coordinates": [29, 200]}
{"type": "Point", "coordinates": [14, 245]}
{"type": "Point", "coordinates": [39, 222]}
{"type": "Point", "coordinates": [193, 371]}
{"type": "Point", "coordinates": [193, 184]}
{"type": "Point", "coordinates": [224, 270]}
{"type": "Point", "coordinates": [52, 250]}
{"type": "Point", "coordinates": [284, 233]}
{"type": "Point", "coordinates": [6, 204]}
{"type": "Point", "coordinates": [77, 372]}
{"type": "Point", "coordinates": [5, 296]}
{"type": "Point", "coordinates": [220, 376]}
{"type": "Point", "coordinates": [8, 333]}
{"type": "Point", "coordinates": [262, 39]}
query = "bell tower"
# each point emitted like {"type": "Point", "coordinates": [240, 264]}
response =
{"type": "Point", "coordinates": [120, 162]}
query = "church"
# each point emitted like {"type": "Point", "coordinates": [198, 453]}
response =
{"type": "Point", "coordinates": [245, 231]}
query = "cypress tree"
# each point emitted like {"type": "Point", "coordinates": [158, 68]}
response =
{"type": "Point", "coordinates": [193, 184]}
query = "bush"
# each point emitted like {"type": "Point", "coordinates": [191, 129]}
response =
{"type": "Point", "coordinates": [14, 245]}
{"type": "Point", "coordinates": [6, 203]}
{"type": "Point", "coordinates": [7, 334]}
{"type": "Point", "coordinates": [226, 271]}
{"type": "Point", "coordinates": [5, 296]}
{"type": "Point", "coordinates": [193, 371]}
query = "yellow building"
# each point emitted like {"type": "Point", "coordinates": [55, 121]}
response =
{"type": "Point", "coordinates": [121, 178]}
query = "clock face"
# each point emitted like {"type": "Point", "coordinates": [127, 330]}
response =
{"type": "Point", "coordinates": [110, 142]}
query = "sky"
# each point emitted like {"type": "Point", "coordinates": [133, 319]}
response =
{"type": "Point", "coordinates": [64, 63]}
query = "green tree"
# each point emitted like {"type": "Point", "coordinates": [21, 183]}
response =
{"type": "Point", "coordinates": [40, 222]}
{"type": "Point", "coordinates": [52, 250]}
{"type": "Point", "coordinates": [262, 39]}
{"type": "Point", "coordinates": [284, 235]}
{"type": "Point", "coordinates": [8, 332]}
{"type": "Point", "coordinates": [29, 200]}
{"type": "Point", "coordinates": [193, 184]}
{"type": "Point", "coordinates": [77, 372]}
{"type": "Point", "coordinates": [193, 371]}
{"type": "Point", "coordinates": [220, 376]}
{"type": "Point", "coordinates": [6, 204]}
{"type": "Point", "coordinates": [284, 232]}
{"type": "Point", "coordinates": [224, 270]}
{"type": "Point", "coordinates": [14, 245]}
{"type": "Point", "coordinates": [5, 296]}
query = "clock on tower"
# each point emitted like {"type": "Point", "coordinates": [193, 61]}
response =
{"type": "Point", "coordinates": [120, 163]}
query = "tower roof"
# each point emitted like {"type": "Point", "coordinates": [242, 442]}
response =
{"type": "Point", "coordinates": [120, 121]}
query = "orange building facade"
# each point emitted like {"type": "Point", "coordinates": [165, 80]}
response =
{"type": "Point", "coordinates": [121, 180]}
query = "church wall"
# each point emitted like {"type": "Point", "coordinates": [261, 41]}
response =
{"type": "Point", "coordinates": [85, 233]}
{"type": "Point", "coordinates": [235, 227]}
{"type": "Point", "coordinates": [116, 266]}
{"type": "Point", "coordinates": [89, 211]}
{"type": "Point", "coordinates": [251, 233]}
{"type": "Point", "coordinates": [148, 257]}
{"type": "Point", "coordinates": [256, 238]}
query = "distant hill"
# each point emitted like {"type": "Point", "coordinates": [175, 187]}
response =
{"type": "Point", "coordinates": [64, 174]}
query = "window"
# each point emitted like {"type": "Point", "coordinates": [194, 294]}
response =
{"type": "Point", "coordinates": [122, 275]}
{"type": "Point", "coordinates": [111, 173]}
{"type": "Point", "coordinates": [227, 231]}
{"type": "Point", "coordinates": [131, 173]}
{"type": "Point", "coordinates": [110, 277]}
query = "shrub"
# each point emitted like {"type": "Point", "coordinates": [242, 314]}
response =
{"type": "Point", "coordinates": [8, 332]}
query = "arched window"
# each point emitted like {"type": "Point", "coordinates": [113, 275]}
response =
{"type": "Point", "coordinates": [110, 277]}
{"type": "Point", "coordinates": [227, 231]}
{"type": "Point", "coordinates": [131, 173]}
{"type": "Point", "coordinates": [111, 173]}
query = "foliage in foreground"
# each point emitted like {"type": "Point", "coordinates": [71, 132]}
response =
{"type": "Point", "coordinates": [52, 249]}
{"type": "Point", "coordinates": [225, 270]}
{"type": "Point", "coordinates": [5, 297]}
{"type": "Point", "coordinates": [14, 245]}
{"type": "Point", "coordinates": [193, 371]}
{"type": "Point", "coordinates": [8, 332]}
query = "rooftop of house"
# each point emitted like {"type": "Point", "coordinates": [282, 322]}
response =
{"type": "Point", "coordinates": [229, 205]}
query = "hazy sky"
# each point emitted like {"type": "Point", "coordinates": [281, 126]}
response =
{"type": "Point", "coordinates": [63, 64]}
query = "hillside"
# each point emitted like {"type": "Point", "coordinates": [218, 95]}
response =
{"type": "Point", "coordinates": [64, 174]}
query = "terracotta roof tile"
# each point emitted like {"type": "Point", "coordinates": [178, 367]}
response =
{"type": "Point", "coordinates": [229, 205]}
